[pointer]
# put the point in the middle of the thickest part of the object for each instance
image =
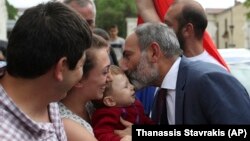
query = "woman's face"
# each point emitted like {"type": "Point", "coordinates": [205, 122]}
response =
{"type": "Point", "coordinates": [95, 83]}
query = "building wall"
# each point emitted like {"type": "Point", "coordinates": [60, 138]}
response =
{"type": "Point", "coordinates": [131, 24]}
{"type": "Point", "coordinates": [230, 27]}
{"type": "Point", "coordinates": [3, 20]}
{"type": "Point", "coordinates": [239, 37]}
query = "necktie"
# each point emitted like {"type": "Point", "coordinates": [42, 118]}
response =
{"type": "Point", "coordinates": [159, 112]}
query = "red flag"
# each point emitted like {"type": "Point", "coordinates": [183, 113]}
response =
{"type": "Point", "coordinates": [210, 47]}
{"type": "Point", "coordinates": [161, 7]}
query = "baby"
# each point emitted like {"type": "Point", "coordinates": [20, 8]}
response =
{"type": "Point", "coordinates": [118, 101]}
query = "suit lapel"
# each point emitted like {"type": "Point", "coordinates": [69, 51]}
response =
{"type": "Point", "coordinates": [180, 87]}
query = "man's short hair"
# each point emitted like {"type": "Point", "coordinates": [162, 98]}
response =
{"type": "Point", "coordinates": [42, 36]}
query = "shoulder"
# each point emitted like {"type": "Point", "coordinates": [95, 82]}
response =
{"type": "Point", "coordinates": [68, 115]}
{"type": "Point", "coordinates": [78, 133]}
{"type": "Point", "coordinates": [200, 67]}
{"type": "Point", "coordinates": [121, 39]}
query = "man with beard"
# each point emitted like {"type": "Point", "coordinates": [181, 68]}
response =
{"type": "Point", "coordinates": [195, 41]}
{"type": "Point", "coordinates": [197, 92]}
{"type": "Point", "coordinates": [189, 21]}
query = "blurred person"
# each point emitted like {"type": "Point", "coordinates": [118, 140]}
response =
{"type": "Point", "coordinates": [3, 53]}
{"type": "Point", "coordinates": [43, 64]}
{"type": "Point", "coordinates": [118, 101]}
{"type": "Point", "coordinates": [101, 32]}
{"type": "Point", "coordinates": [153, 10]}
{"type": "Point", "coordinates": [75, 107]}
{"type": "Point", "coordinates": [86, 8]}
{"type": "Point", "coordinates": [116, 42]}
{"type": "Point", "coordinates": [189, 21]}
{"type": "Point", "coordinates": [197, 92]}
{"type": "Point", "coordinates": [3, 50]}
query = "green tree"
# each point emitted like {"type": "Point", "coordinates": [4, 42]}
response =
{"type": "Point", "coordinates": [247, 4]}
{"type": "Point", "coordinates": [114, 12]}
{"type": "Point", "coordinates": [11, 10]}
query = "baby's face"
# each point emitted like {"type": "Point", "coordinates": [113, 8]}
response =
{"type": "Point", "coordinates": [123, 91]}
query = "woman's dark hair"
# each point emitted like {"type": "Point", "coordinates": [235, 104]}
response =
{"type": "Point", "coordinates": [104, 34]}
{"type": "Point", "coordinates": [97, 43]}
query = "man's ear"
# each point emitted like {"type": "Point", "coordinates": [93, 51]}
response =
{"type": "Point", "coordinates": [109, 101]}
{"type": "Point", "coordinates": [188, 30]}
{"type": "Point", "coordinates": [60, 68]}
{"type": "Point", "coordinates": [154, 52]}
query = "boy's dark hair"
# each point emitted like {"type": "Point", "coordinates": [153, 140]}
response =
{"type": "Point", "coordinates": [113, 26]}
{"type": "Point", "coordinates": [43, 35]}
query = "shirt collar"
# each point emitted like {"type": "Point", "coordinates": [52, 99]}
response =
{"type": "Point", "coordinates": [204, 54]}
{"type": "Point", "coordinates": [170, 79]}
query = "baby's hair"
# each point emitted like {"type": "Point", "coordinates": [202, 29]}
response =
{"type": "Point", "coordinates": [114, 70]}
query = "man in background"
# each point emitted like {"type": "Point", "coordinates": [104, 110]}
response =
{"type": "Point", "coordinates": [116, 42]}
{"type": "Point", "coordinates": [189, 21]}
{"type": "Point", "coordinates": [3, 49]}
{"type": "Point", "coordinates": [86, 8]}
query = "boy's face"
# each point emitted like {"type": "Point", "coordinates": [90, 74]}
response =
{"type": "Point", "coordinates": [113, 32]}
{"type": "Point", "coordinates": [122, 91]}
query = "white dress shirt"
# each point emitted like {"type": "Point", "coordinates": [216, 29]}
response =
{"type": "Point", "coordinates": [169, 83]}
{"type": "Point", "coordinates": [205, 57]}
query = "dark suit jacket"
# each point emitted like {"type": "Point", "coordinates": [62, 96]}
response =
{"type": "Point", "coordinates": [208, 94]}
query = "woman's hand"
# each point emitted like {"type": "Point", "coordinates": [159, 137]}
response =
{"type": "Point", "coordinates": [127, 131]}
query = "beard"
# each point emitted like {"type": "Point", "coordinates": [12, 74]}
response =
{"type": "Point", "coordinates": [180, 39]}
{"type": "Point", "coordinates": [144, 74]}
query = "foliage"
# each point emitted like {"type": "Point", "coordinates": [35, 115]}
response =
{"type": "Point", "coordinates": [247, 4]}
{"type": "Point", "coordinates": [12, 11]}
{"type": "Point", "coordinates": [111, 12]}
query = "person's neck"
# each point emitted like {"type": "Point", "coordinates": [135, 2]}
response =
{"type": "Point", "coordinates": [113, 38]}
{"type": "Point", "coordinates": [28, 95]}
{"type": "Point", "coordinates": [193, 48]}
